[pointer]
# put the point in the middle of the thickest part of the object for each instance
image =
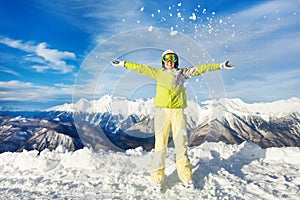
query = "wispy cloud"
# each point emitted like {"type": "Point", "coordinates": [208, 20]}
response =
{"type": "Point", "coordinates": [47, 59]}
{"type": "Point", "coordinates": [17, 44]}
{"type": "Point", "coordinates": [260, 33]}
{"type": "Point", "coordinates": [106, 16]}
{"type": "Point", "coordinates": [267, 86]}
{"type": "Point", "coordinates": [26, 91]}
{"type": "Point", "coordinates": [8, 71]}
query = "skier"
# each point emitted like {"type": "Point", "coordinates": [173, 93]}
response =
{"type": "Point", "coordinates": [170, 101]}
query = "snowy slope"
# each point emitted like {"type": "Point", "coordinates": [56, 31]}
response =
{"type": "Point", "coordinates": [221, 171]}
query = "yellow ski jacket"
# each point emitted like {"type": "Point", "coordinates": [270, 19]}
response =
{"type": "Point", "coordinates": [171, 85]}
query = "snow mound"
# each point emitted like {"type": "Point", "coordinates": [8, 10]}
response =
{"type": "Point", "coordinates": [221, 171]}
{"type": "Point", "coordinates": [283, 155]}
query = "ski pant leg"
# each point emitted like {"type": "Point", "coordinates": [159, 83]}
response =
{"type": "Point", "coordinates": [180, 139]}
{"type": "Point", "coordinates": [162, 126]}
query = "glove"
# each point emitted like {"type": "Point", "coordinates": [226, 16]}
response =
{"type": "Point", "coordinates": [226, 65]}
{"type": "Point", "coordinates": [118, 63]}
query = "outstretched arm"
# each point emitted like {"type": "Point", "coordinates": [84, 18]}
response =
{"type": "Point", "coordinates": [203, 68]}
{"type": "Point", "coordinates": [141, 68]}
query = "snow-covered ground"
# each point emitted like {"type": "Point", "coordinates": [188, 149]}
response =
{"type": "Point", "coordinates": [221, 171]}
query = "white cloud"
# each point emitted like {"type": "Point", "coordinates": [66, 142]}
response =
{"type": "Point", "coordinates": [270, 86]}
{"type": "Point", "coordinates": [266, 32]}
{"type": "Point", "coordinates": [17, 44]}
{"type": "Point", "coordinates": [52, 55]}
{"type": "Point", "coordinates": [48, 59]}
{"type": "Point", "coordinates": [106, 17]}
{"type": "Point", "coordinates": [26, 91]}
{"type": "Point", "coordinates": [8, 71]}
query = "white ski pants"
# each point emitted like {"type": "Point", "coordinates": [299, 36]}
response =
{"type": "Point", "coordinates": [165, 119]}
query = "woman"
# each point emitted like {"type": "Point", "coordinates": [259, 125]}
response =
{"type": "Point", "coordinates": [170, 101]}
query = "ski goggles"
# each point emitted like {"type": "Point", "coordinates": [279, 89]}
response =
{"type": "Point", "coordinates": [170, 57]}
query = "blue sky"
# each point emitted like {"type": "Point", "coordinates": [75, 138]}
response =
{"type": "Point", "coordinates": [44, 45]}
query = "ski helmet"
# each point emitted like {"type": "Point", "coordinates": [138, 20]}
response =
{"type": "Point", "coordinates": [169, 51]}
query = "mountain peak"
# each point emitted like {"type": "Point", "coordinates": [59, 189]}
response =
{"type": "Point", "coordinates": [124, 106]}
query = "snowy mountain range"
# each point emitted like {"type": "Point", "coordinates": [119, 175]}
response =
{"type": "Point", "coordinates": [116, 123]}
